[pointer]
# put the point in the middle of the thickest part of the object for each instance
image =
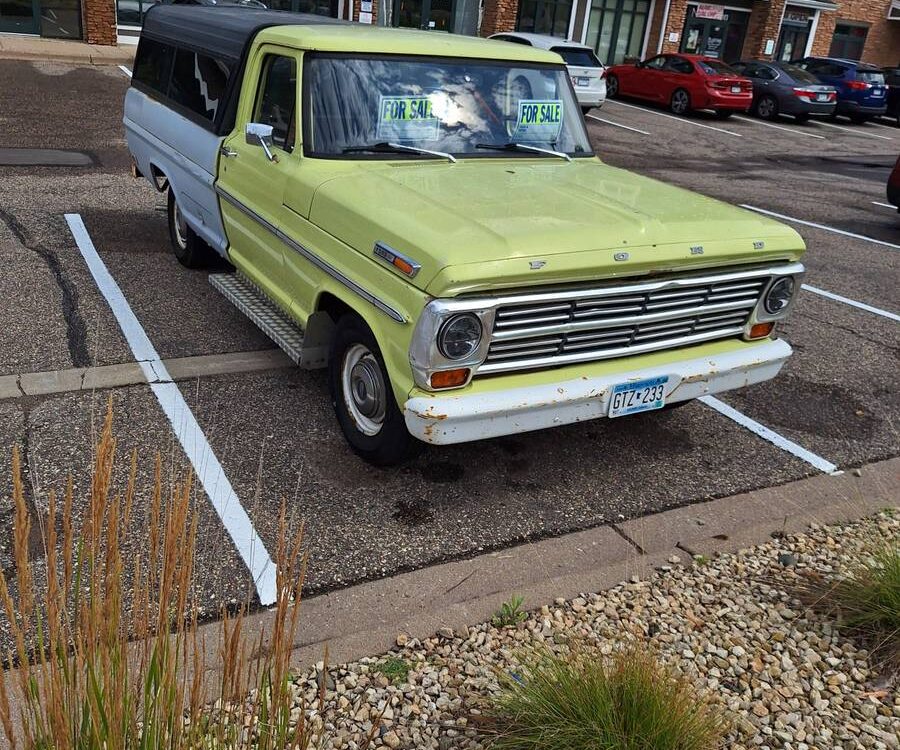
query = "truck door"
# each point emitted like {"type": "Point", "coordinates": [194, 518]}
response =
{"type": "Point", "coordinates": [252, 176]}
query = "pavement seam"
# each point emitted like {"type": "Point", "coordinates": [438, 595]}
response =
{"type": "Point", "coordinates": [627, 538]}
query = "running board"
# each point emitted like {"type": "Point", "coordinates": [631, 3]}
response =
{"type": "Point", "coordinates": [269, 318]}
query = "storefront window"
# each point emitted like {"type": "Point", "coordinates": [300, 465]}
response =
{"type": "Point", "coordinates": [848, 41]}
{"type": "Point", "coordinates": [61, 19]}
{"type": "Point", "coordinates": [716, 32]}
{"type": "Point", "coordinates": [545, 17]}
{"type": "Point", "coordinates": [616, 29]}
{"type": "Point", "coordinates": [131, 12]}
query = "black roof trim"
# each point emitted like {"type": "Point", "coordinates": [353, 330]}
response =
{"type": "Point", "coordinates": [219, 31]}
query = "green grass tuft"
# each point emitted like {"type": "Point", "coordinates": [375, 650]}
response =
{"type": "Point", "coordinates": [586, 701]}
{"type": "Point", "coordinates": [394, 668]}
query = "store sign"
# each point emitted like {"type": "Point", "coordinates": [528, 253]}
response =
{"type": "Point", "coordinates": [713, 12]}
{"type": "Point", "coordinates": [796, 17]}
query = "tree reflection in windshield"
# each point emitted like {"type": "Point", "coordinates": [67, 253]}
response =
{"type": "Point", "coordinates": [444, 105]}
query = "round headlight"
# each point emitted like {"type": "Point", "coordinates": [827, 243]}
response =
{"type": "Point", "coordinates": [779, 295]}
{"type": "Point", "coordinates": [460, 336]}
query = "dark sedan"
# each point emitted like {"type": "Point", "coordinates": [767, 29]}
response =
{"type": "Point", "coordinates": [784, 89]}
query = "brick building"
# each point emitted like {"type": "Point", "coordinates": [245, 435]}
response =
{"type": "Point", "coordinates": [616, 29]}
{"type": "Point", "coordinates": [765, 29]}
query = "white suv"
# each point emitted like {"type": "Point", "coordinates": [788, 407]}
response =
{"type": "Point", "coordinates": [587, 72]}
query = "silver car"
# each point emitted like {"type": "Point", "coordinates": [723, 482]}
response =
{"type": "Point", "coordinates": [587, 72]}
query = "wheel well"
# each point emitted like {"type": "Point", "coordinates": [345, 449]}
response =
{"type": "Point", "coordinates": [158, 178]}
{"type": "Point", "coordinates": [334, 306]}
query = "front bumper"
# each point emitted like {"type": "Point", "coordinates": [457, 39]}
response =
{"type": "Point", "coordinates": [443, 419]}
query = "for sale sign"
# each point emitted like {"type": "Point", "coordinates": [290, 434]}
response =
{"type": "Point", "coordinates": [714, 12]}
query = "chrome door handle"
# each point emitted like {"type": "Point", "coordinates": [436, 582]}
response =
{"type": "Point", "coordinates": [225, 151]}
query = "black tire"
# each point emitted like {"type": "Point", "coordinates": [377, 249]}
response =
{"type": "Point", "coordinates": [190, 250]}
{"type": "Point", "coordinates": [612, 86]}
{"type": "Point", "coordinates": [723, 114]}
{"type": "Point", "coordinates": [585, 110]}
{"type": "Point", "coordinates": [801, 118]}
{"type": "Point", "coordinates": [680, 103]}
{"type": "Point", "coordinates": [766, 108]}
{"type": "Point", "coordinates": [391, 443]}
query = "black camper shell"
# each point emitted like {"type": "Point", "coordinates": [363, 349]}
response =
{"type": "Point", "coordinates": [192, 58]}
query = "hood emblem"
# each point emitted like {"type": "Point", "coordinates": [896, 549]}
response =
{"type": "Point", "coordinates": [621, 256]}
{"type": "Point", "coordinates": [537, 265]}
{"type": "Point", "coordinates": [697, 250]}
{"type": "Point", "coordinates": [401, 262]}
{"type": "Point", "coordinates": [759, 245]}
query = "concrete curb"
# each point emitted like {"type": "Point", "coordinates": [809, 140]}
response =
{"type": "Point", "coordinates": [365, 620]}
{"type": "Point", "coordinates": [34, 49]}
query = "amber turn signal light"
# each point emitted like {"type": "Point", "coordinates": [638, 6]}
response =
{"type": "Point", "coordinates": [449, 378]}
{"type": "Point", "coordinates": [760, 330]}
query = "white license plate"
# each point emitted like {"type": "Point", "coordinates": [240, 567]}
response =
{"type": "Point", "coordinates": [735, 89]}
{"type": "Point", "coordinates": [821, 97]}
{"type": "Point", "coordinates": [877, 92]}
{"type": "Point", "coordinates": [643, 395]}
{"type": "Point", "coordinates": [582, 81]}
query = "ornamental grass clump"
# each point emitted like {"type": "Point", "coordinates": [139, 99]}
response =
{"type": "Point", "coordinates": [866, 600]}
{"type": "Point", "coordinates": [107, 652]}
{"type": "Point", "coordinates": [582, 699]}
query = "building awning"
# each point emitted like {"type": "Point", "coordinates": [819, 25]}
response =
{"type": "Point", "coordinates": [894, 11]}
{"type": "Point", "coordinates": [815, 4]}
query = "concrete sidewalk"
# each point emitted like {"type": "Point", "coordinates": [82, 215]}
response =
{"type": "Point", "coordinates": [63, 50]}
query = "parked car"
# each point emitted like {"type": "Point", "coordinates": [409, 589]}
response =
{"type": "Point", "coordinates": [683, 82]}
{"type": "Point", "coordinates": [892, 79]}
{"type": "Point", "coordinates": [454, 252]}
{"type": "Point", "coordinates": [893, 186]}
{"type": "Point", "coordinates": [784, 89]}
{"type": "Point", "coordinates": [587, 72]}
{"type": "Point", "coordinates": [861, 90]}
{"type": "Point", "coordinates": [219, 3]}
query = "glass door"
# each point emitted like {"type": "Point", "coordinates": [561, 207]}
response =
{"type": "Point", "coordinates": [792, 43]}
{"type": "Point", "coordinates": [435, 15]}
{"type": "Point", "coordinates": [616, 29]}
{"type": "Point", "coordinates": [20, 16]}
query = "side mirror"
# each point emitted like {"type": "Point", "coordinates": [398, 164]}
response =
{"type": "Point", "coordinates": [258, 134]}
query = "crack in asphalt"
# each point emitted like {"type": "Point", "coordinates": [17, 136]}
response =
{"type": "Point", "coordinates": [76, 330]}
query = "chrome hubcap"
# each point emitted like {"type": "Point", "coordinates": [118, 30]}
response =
{"type": "Point", "coordinates": [180, 228]}
{"type": "Point", "coordinates": [364, 389]}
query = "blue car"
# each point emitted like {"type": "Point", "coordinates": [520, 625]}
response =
{"type": "Point", "coordinates": [861, 89]}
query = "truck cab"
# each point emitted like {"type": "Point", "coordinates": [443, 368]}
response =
{"type": "Point", "coordinates": [424, 215]}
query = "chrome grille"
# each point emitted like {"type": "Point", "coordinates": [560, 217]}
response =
{"type": "Point", "coordinates": [553, 328]}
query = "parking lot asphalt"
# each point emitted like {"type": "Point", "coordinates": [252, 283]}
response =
{"type": "Point", "coordinates": [274, 432]}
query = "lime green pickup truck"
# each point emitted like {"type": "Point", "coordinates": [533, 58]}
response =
{"type": "Point", "coordinates": [424, 215]}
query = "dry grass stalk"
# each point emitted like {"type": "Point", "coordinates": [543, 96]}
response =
{"type": "Point", "coordinates": [112, 658]}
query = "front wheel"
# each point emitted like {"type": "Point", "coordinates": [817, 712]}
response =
{"type": "Point", "coordinates": [190, 250]}
{"type": "Point", "coordinates": [680, 102]}
{"type": "Point", "coordinates": [362, 397]}
{"type": "Point", "coordinates": [612, 86]}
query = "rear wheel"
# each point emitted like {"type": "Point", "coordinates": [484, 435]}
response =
{"type": "Point", "coordinates": [612, 86]}
{"type": "Point", "coordinates": [190, 250]}
{"type": "Point", "coordinates": [680, 103]}
{"type": "Point", "coordinates": [767, 108]}
{"type": "Point", "coordinates": [362, 397]}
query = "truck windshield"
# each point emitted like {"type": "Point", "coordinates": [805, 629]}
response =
{"type": "Point", "coordinates": [458, 107]}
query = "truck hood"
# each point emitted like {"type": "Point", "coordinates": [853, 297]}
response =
{"type": "Point", "coordinates": [494, 223]}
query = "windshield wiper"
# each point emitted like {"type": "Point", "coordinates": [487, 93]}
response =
{"type": "Point", "coordinates": [397, 148]}
{"type": "Point", "coordinates": [512, 146]}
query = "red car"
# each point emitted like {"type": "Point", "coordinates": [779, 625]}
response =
{"type": "Point", "coordinates": [683, 83]}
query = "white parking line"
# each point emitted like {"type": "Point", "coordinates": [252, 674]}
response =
{"type": "Point", "coordinates": [855, 131]}
{"type": "Point", "coordinates": [209, 471]}
{"type": "Point", "coordinates": [852, 302]}
{"type": "Point", "coordinates": [773, 437]}
{"type": "Point", "coordinates": [821, 226]}
{"type": "Point", "coordinates": [618, 125]}
{"type": "Point", "coordinates": [679, 119]}
{"type": "Point", "coordinates": [778, 127]}
{"type": "Point", "coordinates": [882, 125]}
{"type": "Point", "coordinates": [886, 205]}
{"type": "Point", "coordinates": [125, 70]}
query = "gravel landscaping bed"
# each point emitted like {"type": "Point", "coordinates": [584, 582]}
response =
{"type": "Point", "coordinates": [785, 675]}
